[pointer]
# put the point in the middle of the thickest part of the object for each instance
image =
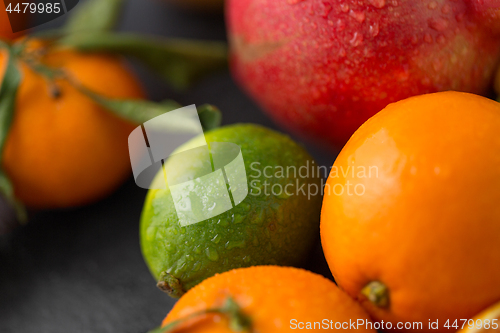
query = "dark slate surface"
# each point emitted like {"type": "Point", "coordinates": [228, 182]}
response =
{"type": "Point", "coordinates": [81, 270]}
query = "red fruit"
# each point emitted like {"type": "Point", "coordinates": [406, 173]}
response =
{"type": "Point", "coordinates": [323, 67]}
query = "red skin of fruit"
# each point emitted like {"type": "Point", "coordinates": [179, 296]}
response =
{"type": "Point", "coordinates": [323, 67]}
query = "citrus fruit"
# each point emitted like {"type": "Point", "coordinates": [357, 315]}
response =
{"type": "Point", "coordinates": [63, 149]}
{"type": "Point", "coordinates": [486, 321]}
{"type": "Point", "coordinates": [418, 238]}
{"type": "Point", "coordinates": [274, 224]}
{"type": "Point", "coordinates": [270, 299]}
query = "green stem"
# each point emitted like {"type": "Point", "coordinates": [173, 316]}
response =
{"type": "Point", "coordinates": [238, 321]}
{"type": "Point", "coordinates": [377, 293]}
{"type": "Point", "coordinates": [135, 111]}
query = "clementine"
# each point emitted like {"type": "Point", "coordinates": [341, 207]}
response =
{"type": "Point", "coordinates": [410, 223]}
{"type": "Point", "coordinates": [63, 149]}
{"type": "Point", "coordinates": [268, 299]}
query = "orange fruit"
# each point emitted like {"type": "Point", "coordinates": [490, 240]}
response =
{"type": "Point", "coordinates": [417, 237]}
{"type": "Point", "coordinates": [273, 299]}
{"type": "Point", "coordinates": [66, 150]}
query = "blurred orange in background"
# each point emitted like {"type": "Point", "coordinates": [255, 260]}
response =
{"type": "Point", "coordinates": [64, 149]}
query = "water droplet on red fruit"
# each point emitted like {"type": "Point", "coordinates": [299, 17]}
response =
{"type": "Point", "coordinates": [403, 75]}
{"type": "Point", "coordinates": [327, 8]}
{"type": "Point", "coordinates": [377, 3]}
{"type": "Point", "coordinates": [460, 17]}
{"type": "Point", "coordinates": [414, 39]}
{"type": "Point", "coordinates": [446, 9]}
{"type": "Point", "coordinates": [437, 65]}
{"type": "Point", "coordinates": [297, 49]}
{"type": "Point", "coordinates": [358, 16]}
{"type": "Point", "coordinates": [356, 40]}
{"type": "Point", "coordinates": [293, 2]}
{"type": "Point", "coordinates": [426, 81]}
{"type": "Point", "coordinates": [374, 29]}
{"type": "Point", "coordinates": [441, 39]}
{"type": "Point", "coordinates": [438, 24]}
{"type": "Point", "coordinates": [340, 25]}
{"type": "Point", "coordinates": [344, 7]}
{"type": "Point", "coordinates": [315, 93]}
{"type": "Point", "coordinates": [428, 38]}
{"type": "Point", "coordinates": [432, 5]}
{"type": "Point", "coordinates": [342, 52]}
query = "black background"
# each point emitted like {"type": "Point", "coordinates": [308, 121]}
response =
{"type": "Point", "coordinates": [81, 270]}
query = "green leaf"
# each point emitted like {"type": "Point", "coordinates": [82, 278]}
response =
{"type": "Point", "coordinates": [94, 16]}
{"type": "Point", "coordinates": [180, 62]}
{"type": "Point", "coordinates": [140, 111]}
{"type": "Point", "coordinates": [8, 92]}
{"type": "Point", "coordinates": [8, 192]}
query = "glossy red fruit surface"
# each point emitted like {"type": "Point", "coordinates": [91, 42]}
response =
{"type": "Point", "coordinates": [323, 67]}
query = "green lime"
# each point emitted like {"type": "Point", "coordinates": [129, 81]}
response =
{"type": "Point", "coordinates": [277, 222]}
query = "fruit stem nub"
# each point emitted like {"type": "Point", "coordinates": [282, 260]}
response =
{"type": "Point", "coordinates": [238, 321]}
{"type": "Point", "coordinates": [377, 293]}
{"type": "Point", "coordinates": [170, 285]}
